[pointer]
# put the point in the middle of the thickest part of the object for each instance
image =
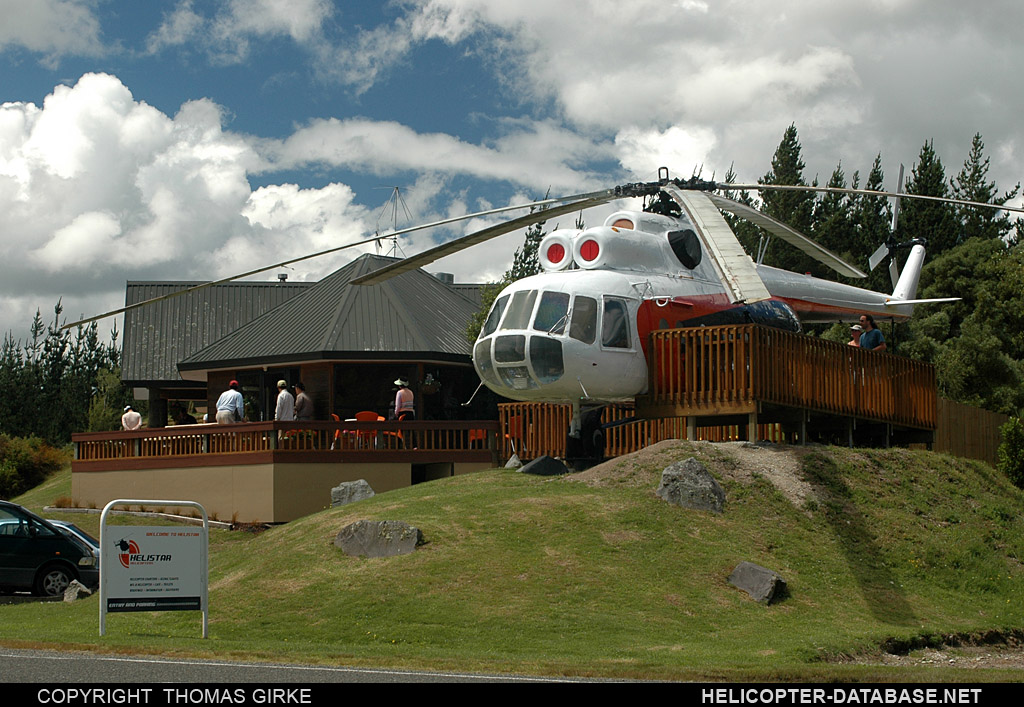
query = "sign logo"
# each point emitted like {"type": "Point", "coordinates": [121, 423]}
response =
{"type": "Point", "coordinates": [127, 549]}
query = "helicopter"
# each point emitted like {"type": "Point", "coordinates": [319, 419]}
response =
{"type": "Point", "coordinates": [577, 333]}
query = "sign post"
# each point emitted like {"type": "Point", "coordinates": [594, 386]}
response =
{"type": "Point", "coordinates": [154, 568]}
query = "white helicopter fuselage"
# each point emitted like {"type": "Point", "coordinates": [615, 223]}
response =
{"type": "Point", "coordinates": [578, 332]}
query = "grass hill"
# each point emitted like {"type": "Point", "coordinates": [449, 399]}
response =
{"type": "Point", "coordinates": [592, 574]}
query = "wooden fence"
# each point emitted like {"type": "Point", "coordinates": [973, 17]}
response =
{"type": "Point", "coordinates": [729, 369]}
{"type": "Point", "coordinates": [285, 438]}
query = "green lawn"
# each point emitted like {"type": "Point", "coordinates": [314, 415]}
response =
{"type": "Point", "coordinates": [558, 576]}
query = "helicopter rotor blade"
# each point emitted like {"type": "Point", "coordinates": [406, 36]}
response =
{"type": "Point", "coordinates": [458, 244]}
{"type": "Point", "coordinates": [309, 256]}
{"type": "Point", "coordinates": [878, 256]}
{"type": "Point", "coordinates": [737, 270]}
{"type": "Point", "coordinates": [864, 192]}
{"type": "Point", "coordinates": [790, 235]}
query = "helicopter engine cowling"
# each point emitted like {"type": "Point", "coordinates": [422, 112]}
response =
{"type": "Point", "coordinates": [608, 247]}
{"type": "Point", "coordinates": [555, 250]}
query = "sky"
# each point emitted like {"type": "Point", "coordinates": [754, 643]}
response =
{"type": "Point", "coordinates": [191, 140]}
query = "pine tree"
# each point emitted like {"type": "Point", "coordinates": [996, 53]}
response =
{"type": "Point", "coordinates": [832, 220]}
{"type": "Point", "coordinates": [931, 220]}
{"type": "Point", "coordinates": [794, 208]}
{"type": "Point", "coordinates": [872, 216]}
{"type": "Point", "coordinates": [972, 184]}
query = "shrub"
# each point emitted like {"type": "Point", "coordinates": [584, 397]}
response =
{"type": "Point", "coordinates": [25, 463]}
{"type": "Point", "coordinates": [1011, 451]}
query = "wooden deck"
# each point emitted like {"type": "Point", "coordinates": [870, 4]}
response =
{"type": "Point", "coordinates": [715, 372]}
{"type": "Point", "coordinates": [273, 471]}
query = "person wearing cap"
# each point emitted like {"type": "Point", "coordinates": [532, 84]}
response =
{"type": "Point", "coordinates": [285, 411]}
{"type": "Point", "coordinates": [855, 331]}
{"type": "Point", "coordinates": [303, 403]}
{"type": "Point", "coordinates": [131, 420]}
{"type": "Point", "coordinates": [230, 406]}
{"type": "Point", "coordinates": [404, 401]}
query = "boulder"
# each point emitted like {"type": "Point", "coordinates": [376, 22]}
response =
{"type": "Point", "coordinates": [350, 491]}
{"type": "Point", "coordinates": [76, 590]}
{"type": "Point", "coordinates": [762, 584]}
{"type": "Point", "coordinates": [513, 462]}
{"type": "Point", "coordinates": [689, 484]}
{"type": "Point", "coordinates": [378, 538]}
{"type": "Point", "coordinates": [545, 466]}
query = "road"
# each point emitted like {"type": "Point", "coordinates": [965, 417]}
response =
{"type": "Point", "coordinates": [55, 667]}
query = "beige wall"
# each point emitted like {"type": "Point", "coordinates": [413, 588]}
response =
{"type": "Point", "coordinates": [268, 493]}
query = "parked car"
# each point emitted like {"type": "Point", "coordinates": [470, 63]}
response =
{"type": "Point", "coordinates": [36, 556]}
{"type": "Point", "coordinates": [72, 530]}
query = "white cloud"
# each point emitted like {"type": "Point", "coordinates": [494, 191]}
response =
{"type": "Point", "coordinates": [97, 188]}
{"type": "Point", "coordinates": [54, 28]}
{"type": "Point", "coordinates": [529, 153]}
{"type": "Point", "coordinates": [228, 32]}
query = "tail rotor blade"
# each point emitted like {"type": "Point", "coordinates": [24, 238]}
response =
{"type": "Point", "coordinates": [878, 256]}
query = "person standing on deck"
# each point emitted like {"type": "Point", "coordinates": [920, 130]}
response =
{"type": "Point", "coordinates": [230, 406]}
{"type": "Point", "coordinates": [285, 411]}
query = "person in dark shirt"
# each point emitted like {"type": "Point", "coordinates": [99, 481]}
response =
{"type": "Point", "coordinates": [872, 338]}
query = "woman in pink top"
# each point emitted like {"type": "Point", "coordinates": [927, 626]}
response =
{"type": "Point", "coordinates": [404, 407]}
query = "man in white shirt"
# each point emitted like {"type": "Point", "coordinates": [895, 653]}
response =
{"type": "Point", "coordinates": [230, 406]}
{"type": "Point", "coordinates": [285, 403]}
{"type": "Point", "coordinates": [131, 420]}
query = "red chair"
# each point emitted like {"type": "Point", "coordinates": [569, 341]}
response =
{"type": "Point", "coordinates": [370, 436]}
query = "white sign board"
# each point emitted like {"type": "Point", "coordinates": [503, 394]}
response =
{"type": "Point", "coordinates": [154, 568]}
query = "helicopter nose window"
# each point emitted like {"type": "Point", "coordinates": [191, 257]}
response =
{"type": "Point", "coordinates": [482, 357]}
{"type": "Point", "coordinates": [552, 312]}
{"type": "Point", "coordinates": [546, 357]}
{"type": "Point", "coordinates": [686, 246]}
{"type": "Point", "coordinates": [623, 223]}
{"type": "Point", "coordinates": [492, 320]}
{"type": "Point", "coordinates": [519, 311]}
{"type": "Point", "coordinates": [584, 319]}
{"type": "Point", "coordinates": [614, 327]}
{"type": "Point", "coordinates": [510, 349]}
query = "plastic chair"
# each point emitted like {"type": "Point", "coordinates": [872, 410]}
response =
{"type": "Point", "coordinates": [367, 435]}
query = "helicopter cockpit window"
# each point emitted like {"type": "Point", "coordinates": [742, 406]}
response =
{"type": "Point", "coordinates": [552, 313]}
{"type": "Point", "coordinates": [623, 223]}
{"type": "Point", "coordinates": [615, 325]}
{"type": "Point", "coordinates": [583, 326]}
{"type": "Point", "coordinates": [686, 246]}
{"type": "Point", "coordinates": [520, 309]}
{"type": "Point", "coordinates": [495, 316]}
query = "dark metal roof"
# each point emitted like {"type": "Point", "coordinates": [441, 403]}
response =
{"type": "Point", "coordinates": [158, 336]}
{"type": "Point", "coordinates": [411, 314]}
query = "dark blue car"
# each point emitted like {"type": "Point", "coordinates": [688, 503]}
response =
{"type": "Point", "coordinates": [35, 556]}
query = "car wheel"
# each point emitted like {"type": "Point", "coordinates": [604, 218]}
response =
{"type": "Point", "coordinates": [52, 581]}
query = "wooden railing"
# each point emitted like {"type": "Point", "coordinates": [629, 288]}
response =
{"type": "Point", "coordinates": [531, 430]}
{"type": "Point", "coordinates": [290, 438]}
{"type": "Point", "coordinates": [726, 369]}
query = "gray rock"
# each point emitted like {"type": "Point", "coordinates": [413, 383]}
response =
{"type": "Point", "coordinates": [350, 491]}
{"type": "Point", "coordinates": [690, 485]}
{"type": "Point", "coordinates": [545, 466]}
{"type": "Point", "coordinates": [378, 538]}
{"type": "Point", "coordinates": [76, 590]}
{"type": "Point", "coordinates": [760, 583]}
{"type": "Point", "coordinates": [513, 462]}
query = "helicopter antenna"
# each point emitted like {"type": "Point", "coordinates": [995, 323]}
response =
{"type": "Point", "coordinates": [394, 202]}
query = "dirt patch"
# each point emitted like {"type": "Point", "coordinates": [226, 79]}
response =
{"type": "Point", "coordinates": [740, 461]}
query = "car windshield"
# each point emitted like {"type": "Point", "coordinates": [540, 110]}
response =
{"type": "Point", "coordinates": [74, 530]}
